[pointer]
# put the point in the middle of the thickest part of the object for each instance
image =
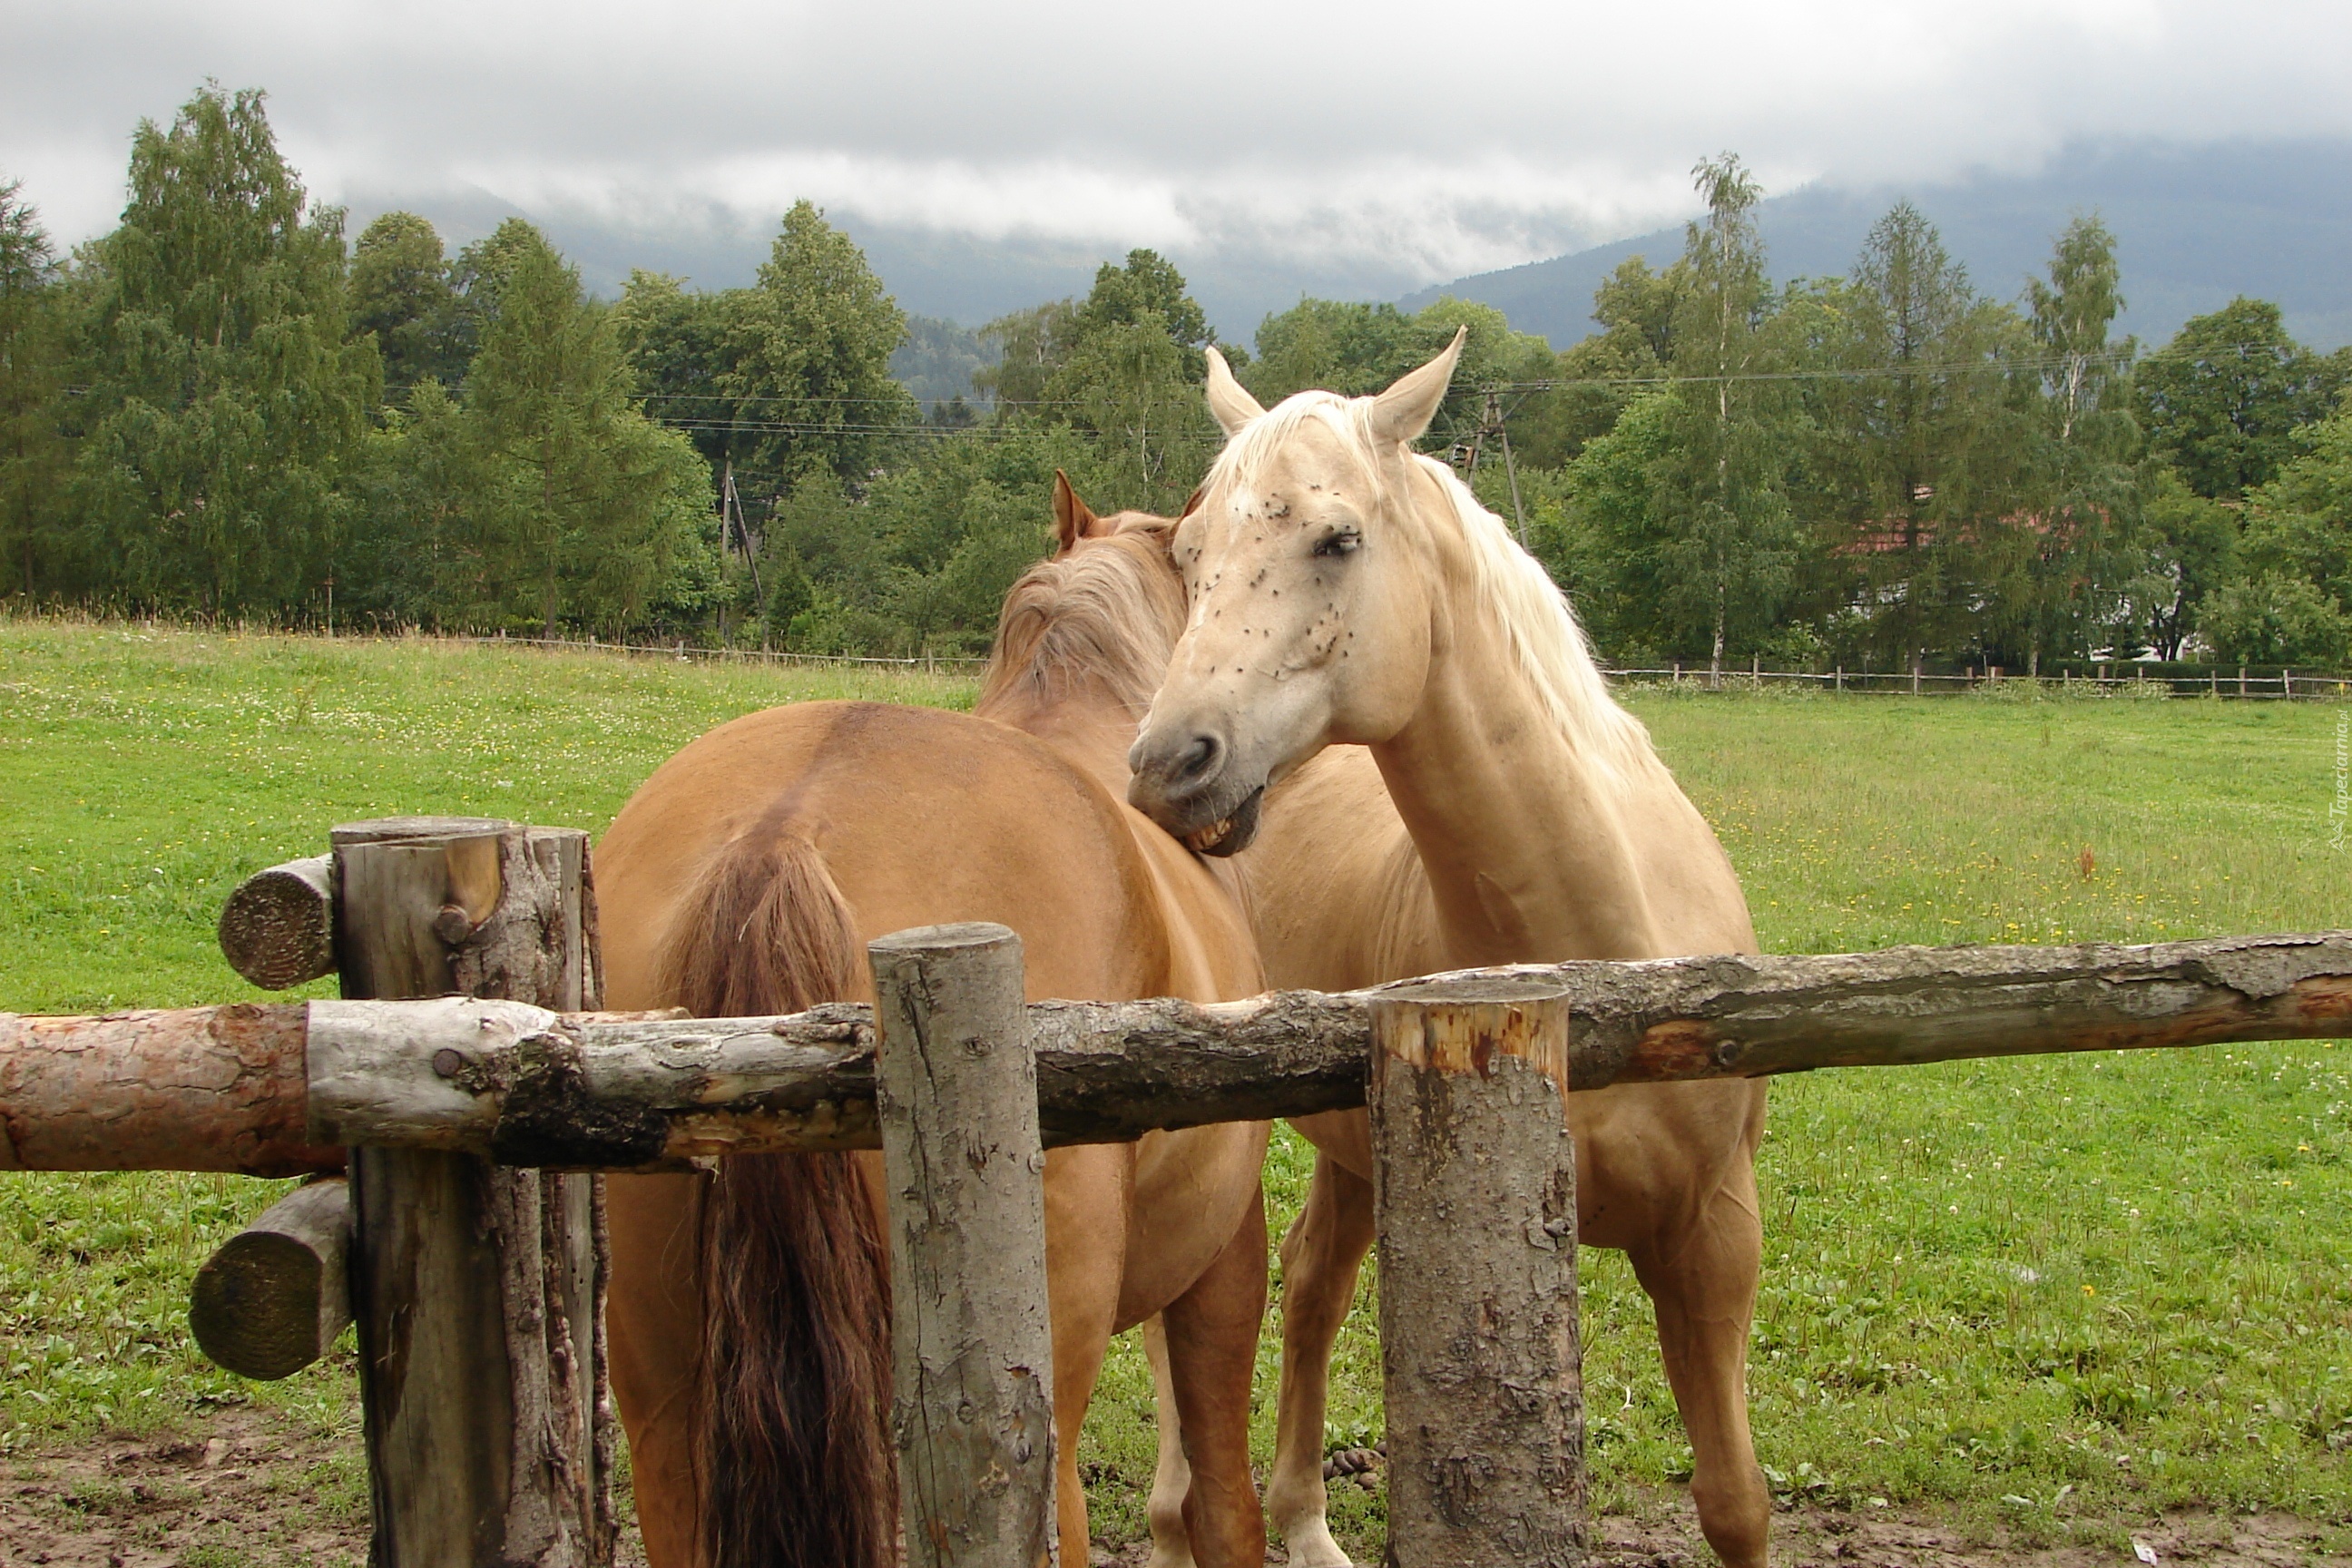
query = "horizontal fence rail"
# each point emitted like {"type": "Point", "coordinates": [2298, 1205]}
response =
{"type": "Point", "coordinates": [275, 1088]}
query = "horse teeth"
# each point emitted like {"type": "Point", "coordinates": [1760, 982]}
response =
{"type": "Point", "coordinates": [1201, 838]}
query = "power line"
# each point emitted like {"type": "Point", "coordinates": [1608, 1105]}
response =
{"type": "Point", "coordinates": [1825, 372]}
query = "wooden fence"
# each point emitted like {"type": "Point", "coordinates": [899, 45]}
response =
{"type": "Point", "coordinates": [466, 1083]}
{"type": "Point", "coordinates": [2118, 676]}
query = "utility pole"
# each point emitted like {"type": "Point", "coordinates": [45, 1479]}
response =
{"type": "Point", "coordinates": [735, 534]}
{"type": "Point", "coordinates": [1490, 423]}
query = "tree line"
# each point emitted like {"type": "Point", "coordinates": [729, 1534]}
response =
{"type": "Point", "coordinates": [222, 410]}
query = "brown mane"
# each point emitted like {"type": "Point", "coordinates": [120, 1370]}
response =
{"type": "Point", "coordinates": [1106, 615]}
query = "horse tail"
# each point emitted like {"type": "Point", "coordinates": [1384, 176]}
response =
{"type": "Point", "coordinates": [791, 1450]}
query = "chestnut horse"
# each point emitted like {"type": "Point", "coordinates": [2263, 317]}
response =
{"type": "Point", "coordinates": [1345, 590]}
{"type": "Point", "coordinates": [748, 1309]}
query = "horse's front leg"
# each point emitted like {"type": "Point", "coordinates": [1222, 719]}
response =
{"type": "Point", "coordinates": [1702, 1286]}
{"type": "Point", "coordinates": [1171, 1476]}
{"type": "Point", "coordinates": [1211, 1333]}
{"type": "Point", "coordinates": [1321, 1258]}
{"type": "Point", "coordinates": [1086, 1198]}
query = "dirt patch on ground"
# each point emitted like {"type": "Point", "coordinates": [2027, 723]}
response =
{"type": "Point", "coordinates": [1887, 1538]}
{"type": "Point", "coordinates": [1664, 1534]}
{"type": "Point", "coordinates": [242, 1488]}
{"type": "Point", "coordinates": [239, 1487]}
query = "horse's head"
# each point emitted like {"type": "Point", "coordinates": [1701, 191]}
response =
{"type": "Point", "coordinates": [1310, 587]}
{"type": "Point", "coordinates": [1093, 623]}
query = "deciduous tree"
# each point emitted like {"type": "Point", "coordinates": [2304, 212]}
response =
{"type": "Point", "coordinates": [2061, 567]}
{"type": "Point", "coordinates": [32, 451]}
{"type": "Point", "coordinates": [1719, 545]}
{"type": "Point", "coordinates": [808, 355]}
{"type": "Point", "coordinates": [2222, 400]}
{"type": "Point", "coordinates": [226, 396]}
{"type": "Point", "coordinates": [400, 291]}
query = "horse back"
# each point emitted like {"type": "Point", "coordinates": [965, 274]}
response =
{"type": "Point", "coordinates": [919, 816]}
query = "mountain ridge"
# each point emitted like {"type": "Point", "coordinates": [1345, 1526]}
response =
{"type": "Point", "coordinates": [2194, 226]}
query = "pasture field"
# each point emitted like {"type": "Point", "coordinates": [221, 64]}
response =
{"type": "Point", "coordinates": [2050, 1298]}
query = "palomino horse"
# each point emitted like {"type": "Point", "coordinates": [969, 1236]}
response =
{"type": "Point", "coordinates": [749, 1313]}
{"type": "Point", "coordinates": [1345, 590]}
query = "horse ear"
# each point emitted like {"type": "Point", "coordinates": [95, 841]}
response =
{"type": "Point", "coordinates": [1229, 400]}
{"type": "Point", "coordinates": [1402, 412]}
{"type": "Point", "coordinates": [1072, 519]}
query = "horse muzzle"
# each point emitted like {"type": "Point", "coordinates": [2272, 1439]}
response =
{"type": "Point", "coordinates": [1185, 785]}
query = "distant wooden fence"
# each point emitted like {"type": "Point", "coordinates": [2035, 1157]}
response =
{"type": "Point", "coordinates": [2114, 677]}
{"type": "Point", "coordinates": [470, 1078]}
{"type": "Point", "coordinates": [685, 651]}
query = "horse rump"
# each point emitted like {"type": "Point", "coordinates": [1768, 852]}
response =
{"type": "Point", "coordinates": [792, 1459]}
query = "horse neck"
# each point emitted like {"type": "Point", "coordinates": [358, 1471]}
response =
{"type": "Point", "coordinates": [1528, 839]}
{"type": "Point", "coordinates": [1088, 725]}
{"type": "Point", "coordinates": [1210, 952]}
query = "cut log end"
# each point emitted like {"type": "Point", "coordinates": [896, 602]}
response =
{"type": "Point", "coordinates": [275, 1297]}
{"type": "Point", "coordinates": [1461, 1024]}
{"type": "Point", "coordinates": [278, 930]}
{"type": "Point", "coordinates": [255, 1306]}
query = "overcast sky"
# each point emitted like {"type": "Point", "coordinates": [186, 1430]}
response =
{"type": "Point", "coordinates": [1440, 138]}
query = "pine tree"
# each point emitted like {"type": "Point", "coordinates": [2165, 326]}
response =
{"type": "Point", "coordinates": [588, 507]}
{"type": "Point", "coordinates": [1925, 438]}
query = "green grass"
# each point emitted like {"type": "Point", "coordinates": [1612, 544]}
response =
{"type": "Point", "coordinates": [142, 773]}
{"type": "Point", "coordinates": [2046, 1290]}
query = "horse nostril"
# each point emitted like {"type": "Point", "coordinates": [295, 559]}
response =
{"type": "Point", "coordinates": [1201, 758]}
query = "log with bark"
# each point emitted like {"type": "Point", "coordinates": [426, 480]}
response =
{"type": "Point", "coordinates": [185, 1089]}
{"type": "Point", "coordinates": [1474, 1194]}
{"type": "Point", "coordinates": [630, 1092]}
{"type": "Point", "coordinates": [193, 1089]}
{"type": "Point", "coordinates": [971, 1409]}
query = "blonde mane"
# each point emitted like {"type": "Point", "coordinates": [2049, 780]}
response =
{"type": "Point", "coordinates": [1541, 628]}
{"type": "Point", "coordinates": [1106, 615]}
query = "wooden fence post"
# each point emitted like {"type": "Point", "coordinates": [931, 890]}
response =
{"type": "Point", "coordinates": [1473, 1188]}
{"type": "Point", "coordinates": [477, 1288]}
{"type": "Point", "coordinates": [956, 1092]}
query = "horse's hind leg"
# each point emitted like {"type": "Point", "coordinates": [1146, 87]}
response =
{"type": "Point", "coordinates": [655, 1313]}
{"type": "Point", "coordinates": [1321, 1258]}
{"type": "Point", "coordinates": [1171, 1476]}
{"type": "Point", "coordinates": [1704, 1293]}
{"type": "Point", "coordinates": [1212, 1336]}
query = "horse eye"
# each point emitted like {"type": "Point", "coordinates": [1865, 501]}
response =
{"type": "Point", "coordinates": [1341, 544]}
